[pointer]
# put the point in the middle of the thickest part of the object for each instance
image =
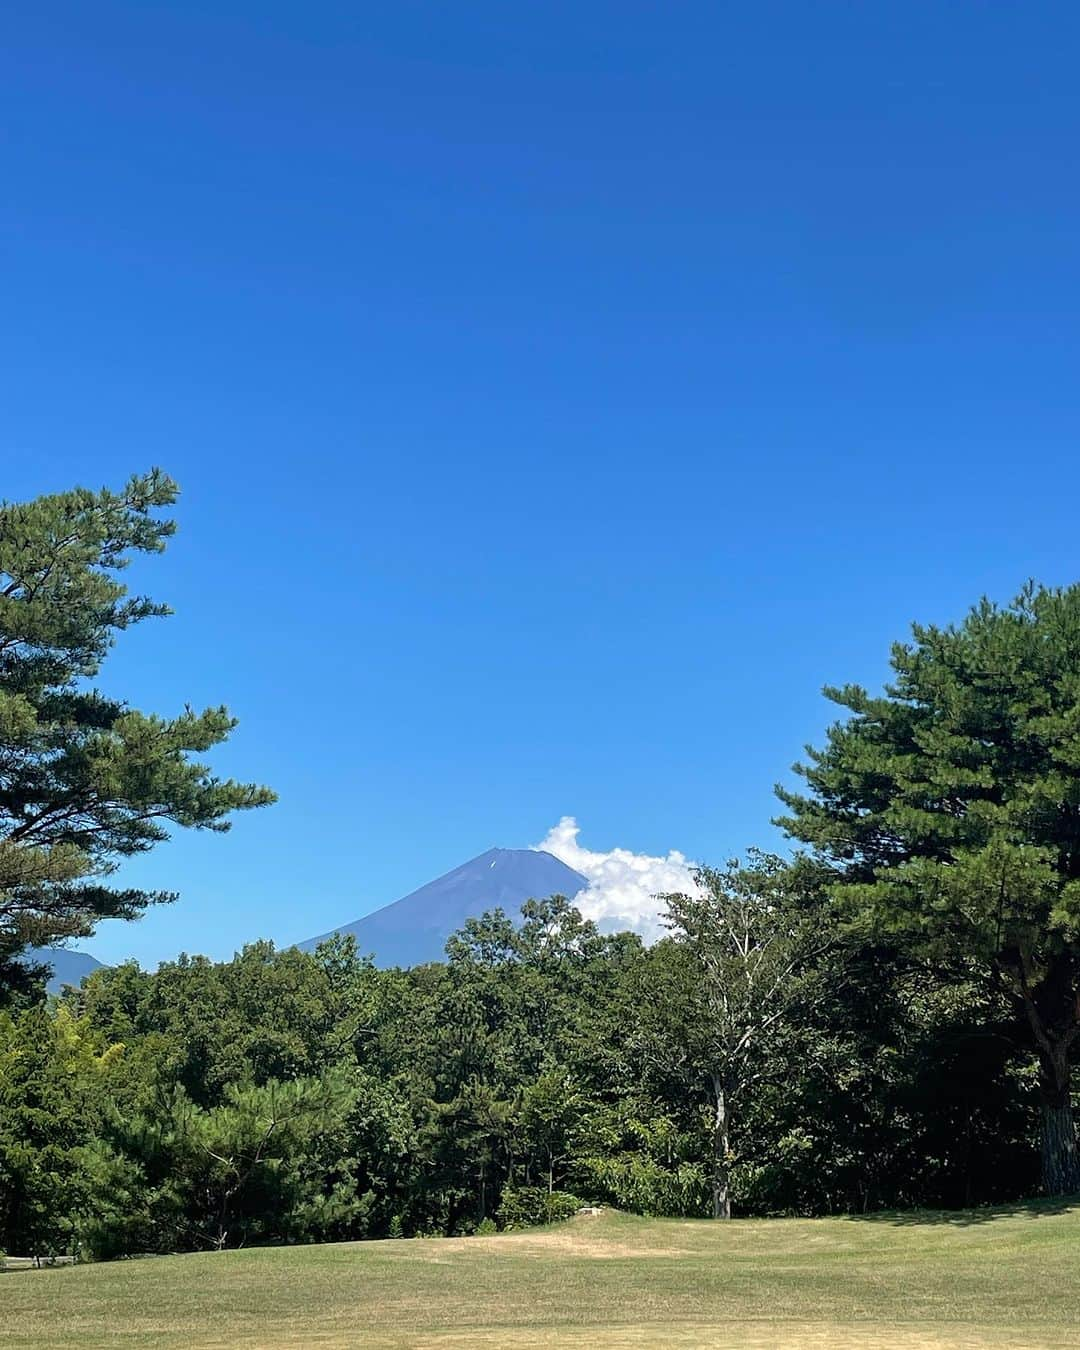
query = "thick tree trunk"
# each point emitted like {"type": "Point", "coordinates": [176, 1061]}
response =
{"type": "Point", "coordinates": [720, 1149]}
{"type": "Point", "coordinates": [1060, 1164]}
{"type": "Point", "coordinates": [1052, 1005]}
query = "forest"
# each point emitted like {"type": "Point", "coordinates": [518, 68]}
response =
{"type": "Point", "coordinates": [293, 1097]}
{"type": "Point", "coordinates": [883, 1017]}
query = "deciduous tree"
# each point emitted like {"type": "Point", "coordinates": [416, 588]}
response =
{"type": "Point", "coordinates": [741, 964]}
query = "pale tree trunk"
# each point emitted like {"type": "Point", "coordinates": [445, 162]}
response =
{"type": "Point", "coordinates": [1060, 1164]}
{"type": "Point", "coordinates": [720, 1146]}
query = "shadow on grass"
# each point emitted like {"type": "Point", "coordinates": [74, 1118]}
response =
{"type": "Point", "coordinates": [968, 1218]}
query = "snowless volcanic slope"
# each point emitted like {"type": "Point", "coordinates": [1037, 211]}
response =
{"type": "Point", "coordinates": [414, 929]}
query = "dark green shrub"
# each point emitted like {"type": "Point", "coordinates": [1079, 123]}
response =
{"type": "Point", "coordinates": [529, 1206]}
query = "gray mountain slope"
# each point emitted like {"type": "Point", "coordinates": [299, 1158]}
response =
{"type": "Point", "coordinates": [414, 929]}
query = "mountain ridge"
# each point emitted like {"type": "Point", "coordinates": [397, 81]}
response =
{"type": "Point", "coordinates": [414, 929]}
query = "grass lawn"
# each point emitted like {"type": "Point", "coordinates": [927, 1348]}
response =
{"type": "Point", "coordinates": [987, 1278]}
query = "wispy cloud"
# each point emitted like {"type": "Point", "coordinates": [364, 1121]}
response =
{"type": "Point", "coordinates": [623, 885]}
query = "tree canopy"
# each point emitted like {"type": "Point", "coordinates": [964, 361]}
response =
{"type": "Point", "coordinates": [86, 780]}
{"type": "Point", "coordinates": [948, 809]}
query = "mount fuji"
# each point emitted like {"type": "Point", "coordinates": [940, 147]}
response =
{"type": "Point", "coordinates": [414, 929]}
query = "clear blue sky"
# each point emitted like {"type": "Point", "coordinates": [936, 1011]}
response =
{"type": "Point", "coordinates": [561, 394]}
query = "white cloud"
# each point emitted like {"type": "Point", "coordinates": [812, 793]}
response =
{"type": "Point", "coordinates": [622, 885]}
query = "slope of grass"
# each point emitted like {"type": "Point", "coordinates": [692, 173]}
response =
{"type": "Point", "coordinates": [993, 1278]}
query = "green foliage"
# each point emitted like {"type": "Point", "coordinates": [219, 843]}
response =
{"type": "Point", "coordinates": [185, 1176]}
{"type": "Point", "coordinates": [948, 811]}
{"type": "Point", "coordinates": [634, 1158]}
{"type": "Point", "coordinates": [263, 1015]}
{"type": "Point", "coordinates": [641, 1184]}
{"type": "Point", "coordinates": [951, 804]}
{"type": "Point", "coordinates": [56, 1073]}
{"type": "Point", "coordinates": [293, 1097]}
{"type": "Point", "coordinates": [87, 780]}
{"type": "Point", "coordinates": [727, 993]}
{"type": "Point", "coordinates": [530, 1206]}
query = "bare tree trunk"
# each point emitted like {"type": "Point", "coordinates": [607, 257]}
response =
{"type": "Point", "coordinates": [1060, 1164]}
{"type": "Point", "coordinates": [720, 1149]}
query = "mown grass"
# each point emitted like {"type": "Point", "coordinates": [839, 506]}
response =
{"type": "Point", "coordinates": [986, 1278]}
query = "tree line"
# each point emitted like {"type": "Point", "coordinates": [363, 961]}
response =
{"type": "Point", "coordinates": [767, 1062]}
{"type": "Point", "coordinates": [885, 1018]}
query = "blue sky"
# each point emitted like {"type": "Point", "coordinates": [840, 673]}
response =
{"type": "Point", "coordinates": [561, 394]}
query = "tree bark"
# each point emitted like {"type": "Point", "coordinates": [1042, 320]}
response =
{"type": "Point", "coordinates": [1052, 1004]}
{"type": "Point", "coordinates": [720, 1141]}
{"type": "Point", "coordinates": [1060, 1164]}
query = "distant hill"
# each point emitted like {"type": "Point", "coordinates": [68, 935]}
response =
{"type": "Point", "coordinates": [68, 967]}
{"type": "Point", "coordinates": [414, 929]}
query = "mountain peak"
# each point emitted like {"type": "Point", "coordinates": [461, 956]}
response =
{"type": "Point", "coordinates": [415, 928]}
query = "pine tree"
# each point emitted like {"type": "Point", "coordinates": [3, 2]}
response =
{"type": "Point", "coordinates": [949, 811]}
{"type": "Point", "coordinates": [85, 780]}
